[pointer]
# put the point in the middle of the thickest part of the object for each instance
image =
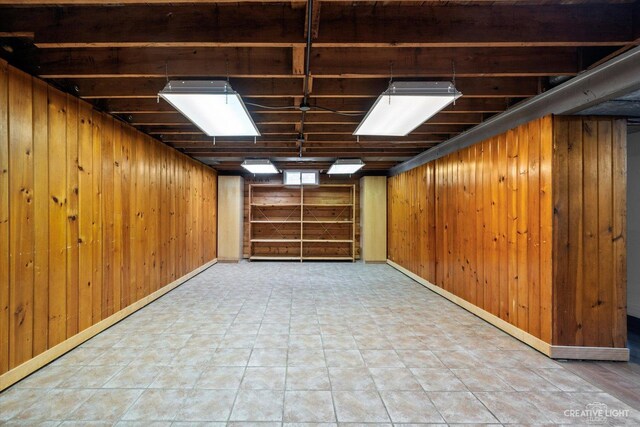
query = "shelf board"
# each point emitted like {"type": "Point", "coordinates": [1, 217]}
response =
{"type": "Point", "coordinates": [269, 258]}
{"type": "Point", "coordinates": [279, 205]}
{"type": "Point", "coordinates": [330, 205]}
{"type": "Point", "coordinates": [327, 222]}
{"type": "Point", "coordinates": [277, 221]}
{"type": "Point", "coordinates": [275, 240]}
{"type": "Point", "coordinates": [328, 258]}
{"type": "Point", "coordinates": [327, 241]}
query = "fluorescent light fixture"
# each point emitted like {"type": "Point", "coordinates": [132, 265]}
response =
{"type": "Point", "coordinates": [259, 166]}
{"type": "Point", "coordinates": [345, 166]}
{"type": "Point", "coordinates": [212, 106]}
{"type": "Point", "coordinates": [406, 105]}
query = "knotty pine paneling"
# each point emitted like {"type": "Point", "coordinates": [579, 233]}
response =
{"type": "Point", "coordinates": [94, 216]}
{"type": "Point", "coordinates": [589, 231]}
{"type": "Point", "coordinates": [529, 225]}
{"type": "Point", "coordinates": [324, 179]}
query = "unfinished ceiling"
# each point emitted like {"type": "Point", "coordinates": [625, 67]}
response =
{"type": "Point", "coordinates": [501, 52]}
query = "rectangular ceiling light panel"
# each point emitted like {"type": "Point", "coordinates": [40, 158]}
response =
{"type": "Point", "coordinates": [345, 167]}
{"type": "Point", "coordinates": [212, 106]}
{"type": "Point", "coordinates": [259, 166]}
{"type": "Point", "coordinates": [405, 106]}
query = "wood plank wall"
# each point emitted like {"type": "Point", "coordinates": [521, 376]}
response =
{"type": "Point", "coordinates": [94, 216]}
{"type": "Point", "coordinates": [323, 180]}
{"type": "Point", "coordinates": [479, 223]}
{"type": "Point", "coordinates": [589, 224]}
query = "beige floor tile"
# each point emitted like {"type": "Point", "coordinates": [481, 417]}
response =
{"type": "Point", "coordinates": [351, 379]}
{"type": "Point", "coordinates": [435, 379]}
{"type": "Point", "coordinates": [410, 407]}
{"type": "Point", "coordinates": [90, 377]}
{"type": "Point", "coordinates": [231, 357]}
{"type": "Point", "coordinates": [156, 405]}
{"type": "Point", "coordinates": [303, 378]}
{"type": "Point", "coordinates": [565, 380]}
{"type": "Point", "coordinates": [372, 342]}
{"type": "Point", "coordinates": [306, 357]}
{"type": "Point", "coordinates": [480, 379]}
{"type": "Point", "coordinates": [56, 404]}
{"type": "Point", "coordinates": [344, 358]}
{"type": "Point", "coordinates": [359, 406]}
{"type": "Point", "coordinates": [308, 406]}
{"type": "Point", "coordinates": [134, 377]}
{"type": "Point", "coordinates": [419, 359]}
{"type": "Point", "coordinates": [219, 378]}
{"type": "Point", "coordinates": [305, 341]}
{"type": "Point", "coordinates": [268, 357]}
{"type": "Point", "coordinates": [394, 379]}
{"type": "Point", "coordinates": [106, 405]}
{"type": "Point", "coordinates": [258, 405]}
{"type": "Point", "coordinates": [48, 377]}
{"type": "Point", "coordinates": [339, 342]}
{"type": "Point", "coordinates": [512, 407]}
{"type": "Point", "coordinates": [461, 407]}
{"type": "Point", "coordinates": [271, 341]}
{"type": "Point", "coordinates": [207, 405]}
{"type": "Point", "coordinates": [458, 359]}
{"type": "Point", "coordinates": [177, 377]}
{"type": "Point", "coordinates": [382, 359]}
{"type": "Point", "coordinates": [523, 379]}
{"type": "Point", "coordinates": [264, 378]}
{"type": "Point", "coordinates": [16, 400]}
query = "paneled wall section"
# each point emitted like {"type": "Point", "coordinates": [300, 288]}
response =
{"type": "Point", "coordinates": [528, 226]}
{"type": "Point", "coordinates": [94, 216]}
{"type": "Point", "coordinates": [589, 224]}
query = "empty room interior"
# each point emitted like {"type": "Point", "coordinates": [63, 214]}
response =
{"type": "Point", "coordinates": [319, 212]}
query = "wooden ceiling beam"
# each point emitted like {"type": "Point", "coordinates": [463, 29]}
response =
{"type": "Point", "coordinates": [488, 87]}
{"type": "Point", "coordinates": [175, 118]}
{"type": "Point", "coordinates": [289, 62]}
{"type": "Point", "coordinates": [309, 128]}
{"type": "Point", "coordinates": [169, 138]}
{"type": "Point", "coordinates": [343, 25]}
{"type": "Point", "coordinates": [353, 105]}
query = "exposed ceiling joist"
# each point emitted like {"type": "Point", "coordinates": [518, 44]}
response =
{"type": "Point", "coordinates": [256, 87]}
{"type": "Point", "coordinates": [278, 24]}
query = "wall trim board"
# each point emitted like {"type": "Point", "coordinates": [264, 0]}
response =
{"type": "Point", "coordinates": [21, 371]}
{"type": "Point", "coordinates": [553, 351]}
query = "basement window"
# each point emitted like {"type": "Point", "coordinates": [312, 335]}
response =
{"type": "Point", "coordinates": [293, 177]}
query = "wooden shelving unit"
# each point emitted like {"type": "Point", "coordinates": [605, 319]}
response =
{"type": "Point", "coordinates": [302, 223]}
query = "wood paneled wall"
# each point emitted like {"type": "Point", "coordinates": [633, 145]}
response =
{"type": "Point", "coordinates": [589, 224]}
{"type": "Point", "coordinates": [480, 224]}
{"type": "Point", "coordinates": [94, 216]}
{"type": "Point", "coordinates": [324, 179]}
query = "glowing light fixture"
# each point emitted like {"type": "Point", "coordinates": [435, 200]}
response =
{"type": "Point", "coordinates": [345, 166]}
{"type": "Point", "coordinates": [212, 106]}
{"type": "Point", "coordinates": [259, 166]}
{"type": "Point", "coordinates": [406, 105]}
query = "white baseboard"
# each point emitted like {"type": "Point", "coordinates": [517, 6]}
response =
{"type": "Point", "coordinates": [21, 371]}
{"type": "Point", "coordinates": [553, 351]}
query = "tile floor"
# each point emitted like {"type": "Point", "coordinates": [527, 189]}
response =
{"type": "Point", "coordinates": [275, 343]}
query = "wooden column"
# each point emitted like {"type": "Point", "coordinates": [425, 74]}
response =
{"type": "Point", "coordinates": [373, 218]}
{"type": "Point", "coordinates": [230, 218]}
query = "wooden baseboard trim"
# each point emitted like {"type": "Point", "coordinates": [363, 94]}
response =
{"type": "Point", "coordinates": [21, 371]}
{"type": "Point", "coordinates": [589, 353]}
{"type": "Point", "coordinates": [228, 261]}
{"type": "Point", "coordinates": [553, 351]}
{"type": "Point", "coordinates": [374, 262]}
